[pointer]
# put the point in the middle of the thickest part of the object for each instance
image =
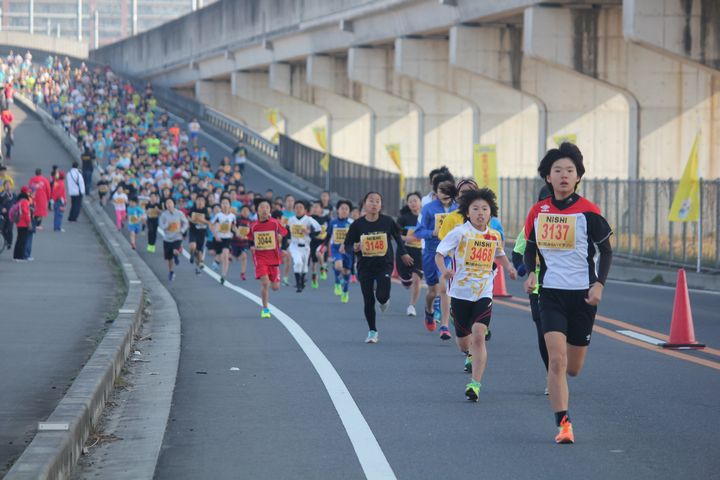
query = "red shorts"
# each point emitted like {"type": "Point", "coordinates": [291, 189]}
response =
{"type": "Point", "coordinates": [272, 271]}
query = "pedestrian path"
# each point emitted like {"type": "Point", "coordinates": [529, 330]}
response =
{"type": "Point", "coordinates": [53, 309]}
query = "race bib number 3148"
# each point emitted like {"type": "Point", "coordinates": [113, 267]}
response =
{"type": "Point", "coordinates": [374, 244]}
{"type": "Point", "coordinates": [556, 232]}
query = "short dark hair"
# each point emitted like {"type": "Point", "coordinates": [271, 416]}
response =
{"type": "Point", "coordinates": [474, 195]}
{"type": "Point", "coordinates": [566, 150]}
{"type": "Point", "coordinates": [344, 202]}
{"type": "Point", "coordinates": [411, 194]}
{"type": "Point", "coordinates": [372, 193]}
{"type": "Point", "coordinates": [437, 171]}
{"type": "Point", "coordinates": [38, 171]}
{"type": "Point", "coordinates": [448, 188]}
{"type": "Point", "coordinates": [440, 178]}
{"type": "Point", "coordinates": [301, 202]}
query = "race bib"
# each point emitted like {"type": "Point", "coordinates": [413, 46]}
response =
{"type": "Point", "coordinates": [243, 231]}
{"type": "Point", "coordinates": [173, 227]}
{"type": "Point", "coordinates": [153, 213]}
{"type": "Point", "coordinates": [339, 235]}
{"type": "Point", "coordinates": [297, 231]}
{"type": "Point", "coordinates": [134, 220]}
{"type": "Point", "coordinates": [439, 219]}
{"type": "Point", "coordinates": [323, 233]}
{"type": "Point", "coordinates": [143, 204]}
{"type": "Point", "coordinates": [265, 241]}
{"type": "Point", "coordinates": [103, 189]}
{"type": "Point", "coordinates": [479, 254]}
{"type": "Point", "coordinates": [374, 244]}
{"type": "Point", "coordinates": [224, 228]}
{"type": "Point", "coordinates": [119, 201]}
{"type": "Point", "coordinates": [556, 232]}
{"type": "Point", "coordinates": [417, 243]}
{"type": "Point", "coordinates": [197, 217]}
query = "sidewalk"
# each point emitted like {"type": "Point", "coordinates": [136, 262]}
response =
{"type": "Point", "coordinates": [53, 309]}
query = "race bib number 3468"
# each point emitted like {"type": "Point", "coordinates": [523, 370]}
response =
{"type": "Point", "coordinates": [556, 232]}
{"type": "Point", "coordinates": [480, 254]}
{"type": "Point", "coordinates": [374, 244]}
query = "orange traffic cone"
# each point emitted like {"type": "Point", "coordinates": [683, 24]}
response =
{"type": "Point", "coordinates": [499, 288]}
{"type": "Point", "coordinates": [682, 333]}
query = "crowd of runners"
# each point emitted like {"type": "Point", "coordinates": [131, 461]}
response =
{"type": "Point", "coordinates": [159, 180]}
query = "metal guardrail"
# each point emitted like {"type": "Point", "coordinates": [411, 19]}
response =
{"type": "Point", "coordinates": [350, 180]}
{"type": "Point", "coordinates": [241, 132]}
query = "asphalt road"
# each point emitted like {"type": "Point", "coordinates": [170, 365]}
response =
{"type": "Point", "coordinates": [637, 413]}
{"type": "Point", "coordinates": [53, 310]}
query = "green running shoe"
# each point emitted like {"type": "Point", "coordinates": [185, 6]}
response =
{"type": "Point", "coordinates": [472, 391]}
{"type": "Point", "coordinates": [338, 289]}
{"type": "Point", "coordinates": [315, 284]}
{"type": "Point", "coordinates": [265, 313]}
{"type": "Point", "coordinates": [323, 274]}
{"type": "Point", "coordinates": [345, 298]}
{"type": "Point", "coordinates": [468, 363]}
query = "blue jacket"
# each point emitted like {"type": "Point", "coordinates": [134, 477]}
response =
{"type": "Point", "coordinates": [426, 224]}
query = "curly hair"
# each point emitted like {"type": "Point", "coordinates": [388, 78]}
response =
{"type": "Point", "coordinates": [566, 150]}
{"type": "Point", "coordinates": [471, 196]}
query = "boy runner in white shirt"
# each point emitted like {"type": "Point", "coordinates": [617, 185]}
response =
{"type": "Point", "coordinates": [301, 226]}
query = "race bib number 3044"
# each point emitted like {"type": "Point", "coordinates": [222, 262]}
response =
{"type": "Point", "coordinates": [480, 254]}
{"type": "Point", "coordinates": [556, 232]}
{"type": "Point", "coordinates": [374, 244]}
{"type": "Point", "coordinates": [265, 240]}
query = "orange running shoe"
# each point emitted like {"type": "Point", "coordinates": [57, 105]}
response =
{"type": "Point", "coordinates": [565, 432]}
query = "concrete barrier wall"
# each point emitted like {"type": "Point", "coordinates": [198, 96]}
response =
{"type": "Point", "coordinates": [61, 46]}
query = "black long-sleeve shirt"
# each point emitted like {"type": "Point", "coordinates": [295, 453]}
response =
{"type": "Point", "coordinates": [376, 254]}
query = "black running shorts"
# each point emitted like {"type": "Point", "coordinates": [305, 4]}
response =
{"type": "Point", "coordinates": [169, 249]}
{"type": "Point", "coordinates": [466, 313]}
{"type": "Point", "coordinates": [566, 311]}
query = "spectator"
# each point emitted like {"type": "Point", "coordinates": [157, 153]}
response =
{"type": "Point", "coordinates": [23, 225]}
{"type": "Point", "coordinates": [9, 141]}
{"type": "Point", "coordinates": [240, 156]}
{"type": "Point", "coordinates": [59, 200]}
{"type": "Point", "coordinates": [7, 117]}
{"type": "Point", "coordinates": [76, 190]}
{"type": "Point", "coordinates": [7, 200]}
{"type": "Point", "coordinates": [43, 193]}
{"type": "Point", "coordinates": [88, 165]}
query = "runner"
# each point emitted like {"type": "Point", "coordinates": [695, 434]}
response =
{"type": "Point", "coordinates": [566, 231]}
{"type": "Point", "coordinates": [174, 224]}
{"type": "Point", "coordinates": [136, 219]}
{"type": "Point", "coordinates": [473, 247]}
{"type": "Point", "coordinates": [342, 262]}
{"type": "Point", "coordinates": [265, 235]}
{"type": "Point", "coordinates": [318, 244]}
{"type": "Point", "coordinates": [517, 260]}
{"type": "Point", "coordinates": [369, 237]}
{"type": "Point", "coordinates": [120, 200]}
{"type": "Point", "coordinates": [199, 220]}
{"type": "Point", "coordinates": [240, 242]}
{"type": "Point", "coordinates": [302, 228]}
{"type": "Point", "coordinates": [288, 212]}
{"type": "Point", "coordinates": [223, 227]}
{"type": "Point", "coordinates": [411, 277]}
{"type": "Point", "coordinates": [152, 212]}
{"type": "Point", "coordinates": [429, 224]}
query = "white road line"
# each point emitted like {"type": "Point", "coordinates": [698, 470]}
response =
{"type": "Point", "coordinates": [662, 287]}
{"type": "Point", "coordinates": [641, 337]}
{"type": "Point", "coordinates": [371, 457]}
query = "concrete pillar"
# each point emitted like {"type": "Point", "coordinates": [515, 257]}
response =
{"type": "Point", "coordinates": [328, 86]}
{"type": "Point", "coordinates": [298, 118]}
{"type": "Point", "coordinates": [499, 115]}
{"type": "Point", "coordinates": [591, 110]}
{"type": "Point", "coordinates": [676, 99]}
{"type": "Point", "coordinates": [397, 119]}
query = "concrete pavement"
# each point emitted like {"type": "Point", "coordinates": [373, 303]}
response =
{"type": "Point", "coordinates": [54, 310]}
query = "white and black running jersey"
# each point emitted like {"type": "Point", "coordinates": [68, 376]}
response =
{"type": "Point", "coordinates": [565, 233]}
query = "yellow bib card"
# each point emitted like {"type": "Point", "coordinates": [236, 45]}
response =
{"type": "Point", "coordinates": [243, 231]}
{"type": "Point", "coordinates": [173, 227]}
{"type": "Point", "coordinates": [265, 241]}
{"type": "Point", "coordinates": [417, 243]}
{"type": "Point", "coordinates": [556, 232]}
{"type": "Point", "coordinates": [153, 213]}
{"type": "Point", "coordinates": [479, 254]}
{"type": "Point", "coordinates": [297, 231]}
{"type": "Point", "coordinates": [339, 235]}
{"type": "Point", "coordinates": [439, 219]}
{"type": "Point", "coordinates": [197, 217]}
{"type": "Point", "coordinates": [374, 244]}
{"type": "Point", "coordinates": [133, 220]}
{"type": "Point", "coordinates": [224, 228]}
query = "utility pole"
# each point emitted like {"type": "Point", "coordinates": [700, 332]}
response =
{"type": "Point", "coordinates": [31, 16]}
{"type": "Point", "coordinates": [96, 33]}
{"type": "Point", "coordinates": [79, 20]}
{"type": "Point", "coordinates": [134, 22]}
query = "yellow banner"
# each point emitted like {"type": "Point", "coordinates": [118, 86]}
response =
{"type": "Point", "coordinates": [321, 138]}
{"type": "Point", "coordinates": [565, 137]}
{"type": "Point", "coordinates": [393, 150]}
{"type": "Point", "coordinates": [485, 166]}
{"type": "Point", "coordinates": [686, 204]}
{"type": "Point", "coordinates": [272, 116]}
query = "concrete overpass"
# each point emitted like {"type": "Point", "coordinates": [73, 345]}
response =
{"type": "Point", "coordinates": [633, 81]}
{"type": "Point", "coordinates": [23, 41]}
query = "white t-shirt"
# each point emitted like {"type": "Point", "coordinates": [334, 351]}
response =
{"type": "Point", "coordinates": [473, 254]}
{"type": "Point", "coordinates": [225, 223]}
{"type": "Point", "coordinates": [120, 201]}
{"type": "Point", "coordinates": [297, 229]}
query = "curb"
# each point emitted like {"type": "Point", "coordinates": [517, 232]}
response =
{"type": "Point", "coordinates": [53, 454]}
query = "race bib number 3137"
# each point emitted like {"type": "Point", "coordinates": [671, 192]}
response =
{"type": "Point", "coordinates": [556, 232]}
{"type": "Point", "coordinates": [374, 244]}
